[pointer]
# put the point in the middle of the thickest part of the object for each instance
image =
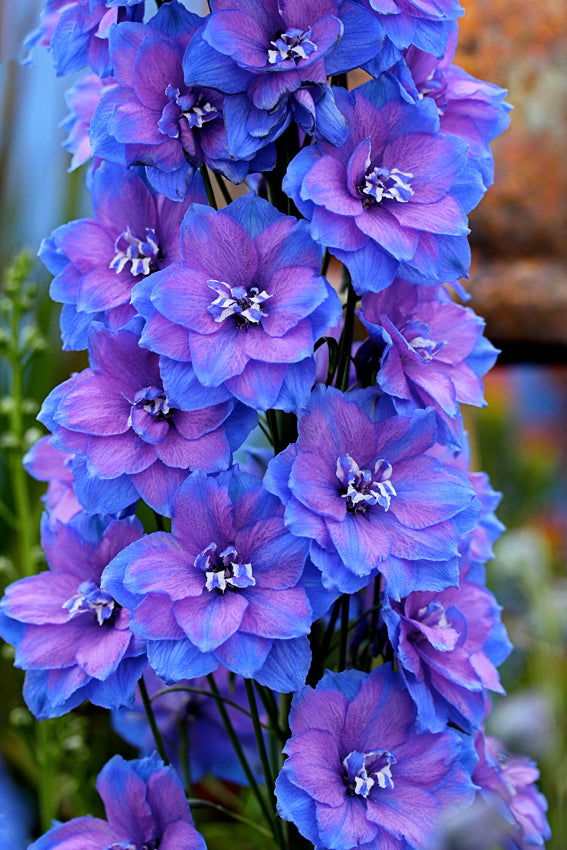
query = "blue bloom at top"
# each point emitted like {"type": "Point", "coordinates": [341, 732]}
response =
{"type": "Point", "coordinates": [76, 32]}
{"type": "Point", "coordinates": [71, 636]}
{"type": "Point", "coordinates": [273, 60]}
{"type": "Point", "coordinates": [145, 808]}
{"type": "Point", "coordinates": [425, 24]}
{"type": "Point", "coordinates": [224, 588]}
{"type": "Point", "coordinates": [358, 775]}
{"type": "Point", "coordinates": [97, 261]}
{"type": "Point", "coordinates": [392, 201]}
{"type": "Point", "coordinates": [153, 118]}
{"type": "Point", "coordinates": [367, 494]}
{"type": "Point", "coordinates": [245, 304]}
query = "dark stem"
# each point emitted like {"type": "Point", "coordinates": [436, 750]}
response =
{"type": "Point", "coordinates": [240, 755]}
{"type": "Point", "coordinates": [209, 188]}
{"type": "Point", "coordinates": [271, 707]}
{"type": "Point", "coordinates": [272, 418]}
{"type": "Point", "coordinates": [152, 720]}
{"type": "Point", "coordinates": [260, 743]}
{"type": "Point", "coordinates": [347, 336]}
{"type": "Point", "coordinates": [222, 186]}
{"type": "Point", "coordinates": [204, 693]}
{"type": "Point", "coordinates": [207, 804]}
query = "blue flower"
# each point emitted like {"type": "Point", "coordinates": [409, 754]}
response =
{"type": "Point", "coordinates": [145, 809]}
{"type": "Point", "coordinates": [97, 261]}
{"type": "Point", "coordinates": [245, 304]}
{"type": "Point", "coordinates": [225, 587]}
{"type": "Point", "coordinates": [72, 636]}
{"type": "Point", "coordinates": [357, 772]}
{"type": "Point", "coordinates": [367, 494]}
{"type": "Point", "coordinates": [392, 201]}
{"type": "Point", "coordinates": [123, 430]}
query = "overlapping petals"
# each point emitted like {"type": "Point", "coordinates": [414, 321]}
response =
{"type": "Point", "coordinates": [225, 587]}
{"type": "Point", "coordinates": [72, 637]}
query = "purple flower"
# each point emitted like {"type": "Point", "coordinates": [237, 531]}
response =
{"type": "Point", "coordinates": [97, 261]}
{"type": "Point", "coordinates": [76, 32]}
{"type": "Point", "coordinates": [424, 349]}
{"type": "Point", "coordinates": [447, 645]}
{"type": "Point", "coordinates": [46, 463]}
{"type": "Point", "coordinates": [82, 99]}
{"type": "Point", "coordinates": [117, 417]}
{"type": "Point", "coordinates": [425, 24]}
{"type": "Point", "coordinates": [367, 494]}
{"type": "Point", "coordinates": [393, 199]}
{"type": "Point", "coordinates": [145, 809]}
{"type": "Point", "coordinates": [72, 636]}
{"type": "Point", "coordinates": [469, 108]}
{"type": "Point", "coordinates": [359, 775]}
{"type": "Point", "coordinates": [195, 716]}
{"type": "Point", "coordinates": [508, 782]}
{"type": "Point", "coordinates": [246, 304]}
{"type": "Point", "coordinates": [225, 587]}
{"type": "Point", "coordinates": [273, 60]}
{"type": "Point", "coordinates": [153, 118]}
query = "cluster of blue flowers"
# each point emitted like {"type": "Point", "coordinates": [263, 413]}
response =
{"type": "Point", "coordinates": [352, 534]}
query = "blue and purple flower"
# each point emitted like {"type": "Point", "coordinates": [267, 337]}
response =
{"type": "Point", "coordinates": [364, 490]}
{"type": "Point", "coordinates": [359, 775]}
{"type": "Point", "coordinates": [393, 200]}
{"type": "Point", "coordinates": [71, 636]}
{"type": "Point", "coordinates": [245, 304]}
{"type": "Point", "coordinates": [145, 808]}
{"type": "Point", "coordinates": [224, 588]}
{"type": "Point", "coordinates": [97, 261]}
{"type": "Point", "coordinates": [117, 420]}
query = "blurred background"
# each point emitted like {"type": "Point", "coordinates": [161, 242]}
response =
{"type": "Point", "coordinates": [518, 283]}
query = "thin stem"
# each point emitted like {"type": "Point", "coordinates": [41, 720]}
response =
{"type": "Point", "coordinates": [46, 779]}
{"type": "Point", "coordinates": [208, 186]}
{"type": "Point", "coordinates": [184, 754]}
{"type": "Point", "coordinates": [240, 754]}
{"type": "Point", "coordinates": [326, 261]}
{"type": "Point", "coordinates": [152, 720]}
{"type": "Point", "coordinates": [355, 623]}
{"type": "Point", "coordinates": [272, 418]}
{"type": "Point", "coordinates": [205, 693]}
{"type": "Point", "coordinates": [260, 743]}
{"type": "Point", "coordinates": [222, 186]}
{"type": "Point", "coordinates": [271, 707]}
{"type": "Point", "coordinates": [344, 631]}
{"type": "Point", "coordinates": [207, 804]}
{"type": "Point", "coordinates": [347, 336]}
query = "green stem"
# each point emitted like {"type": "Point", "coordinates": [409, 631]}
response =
{"type": "Point", "coordinates": [152, 720]}
{"type": "Point", "coordinates": [235, 741]}
{"type": "Point", "coordinates": [207, 804]}
{"type": "Point", "coordinates": [325, 263]}
{"type": "Point", "coordinates": [347, 336]}
{"type": "Point", "coordinates": [272, 419]}
{"type": "Point", "coordinates": [344, 631]}
{"type": "Point", "coordinates": [47, 784]}
{"type": "Point", "coordinates": [222, 186]}
{"type": "Point", "coordinates": [271, 707]}
{"type": "Point", "coordinates": [209, 188]}
{"type": "Point", "coordinates": [184, 753]}
{"type": "Point", "coordinates": [260, 743]}
{"type": "Point", "coordinates": [205, 693]}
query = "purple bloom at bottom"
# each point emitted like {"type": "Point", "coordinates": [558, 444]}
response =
{"type": "Point", "coordinates": [357, 773]}
{"type": "Point", "coordinates": [226, 587]}
{"type": "Point", "coordinates": [70, 635]}
{"type": "Point", "coordinates": [509, 782]}
{"type": "Point", "coordinates": [145, 809]}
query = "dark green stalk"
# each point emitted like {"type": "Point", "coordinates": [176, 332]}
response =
{"type": "Point", "coordinates": [263, 753]}
{"type": "Point", "coordinates": [271, 707]}
{"type": "Point", "coordinates": [272, 418]}
{"type": "Point", "coordinates": [374, 621]}
{"type": "Point", "coordinates": [347, 336]}
{"type": "Point", "coordinates": [240, 755]}
{"type": "Point", "coordinates": [152, 720]}
{"type": "Point", "coordinates": [207, 804]}
{"type": "Point", "coordinates": [355, 623]}
{"type": "Point", "coordinates": [326, 261]}
{"type": "Point", "coordinates": [208, 186]}
{"type": "Point", "coordinates": [222, 186]}
{"type": "Point", "coordinates": [184, 754]}
{"type": "Point", "coordinates": [344, 631]}
{"type": "Point", "coordinates": [205, 693]}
